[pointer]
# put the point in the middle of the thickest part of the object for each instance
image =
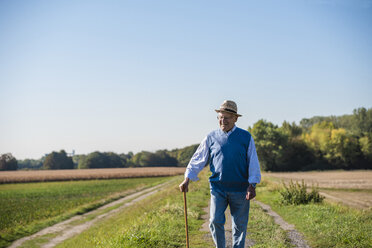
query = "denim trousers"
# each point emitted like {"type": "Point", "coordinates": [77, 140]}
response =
{"type": "Point", "coordinates": [239, 208]}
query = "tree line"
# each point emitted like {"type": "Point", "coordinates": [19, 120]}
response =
{"type": "Point", "coordinates": [318, 143]}
{"type": "Point", "coordinates": [60, 160]}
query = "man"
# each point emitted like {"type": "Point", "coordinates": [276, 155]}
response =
{"type": "Point", "coordinates": [235, 172]}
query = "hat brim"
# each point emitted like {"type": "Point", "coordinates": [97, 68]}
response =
{"type": "Point", "coordinates": [226, 111]}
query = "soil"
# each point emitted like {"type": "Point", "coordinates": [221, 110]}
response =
{"type": "Point", "coordinates": [360, 200]}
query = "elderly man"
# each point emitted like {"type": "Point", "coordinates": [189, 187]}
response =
{"type": "Point", "coordinates": [235, 172]}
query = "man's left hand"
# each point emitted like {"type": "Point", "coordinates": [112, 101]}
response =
{"type": "Point", "coordinates": [251, 193]}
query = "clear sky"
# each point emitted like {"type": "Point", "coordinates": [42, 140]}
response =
{"type": "Point", "coordinates": [147, 75]}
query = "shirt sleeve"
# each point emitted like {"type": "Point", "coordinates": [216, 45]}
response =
{"type": "Point", "coordinates": [253, 164]}
{"type": "Point", "coordinates": [198, 161]}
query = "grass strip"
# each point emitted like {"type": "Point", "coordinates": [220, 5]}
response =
{"type": "Point", "coordinates": [28, 208]}
{"type": "Point", "coordinates": [262, 230]}
{"type": "Point", "coordinates": [324, 225]}
{"type": "Point", "coordinates": [157, 221]}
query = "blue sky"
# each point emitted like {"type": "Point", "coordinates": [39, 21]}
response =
{"type": "Point", "coordinates": [146, 75]}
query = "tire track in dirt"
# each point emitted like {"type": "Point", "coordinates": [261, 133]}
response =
{"type": "Point", "coordinates": [67, 229]}
{"type": "Point", "coordinates": [295, 237]}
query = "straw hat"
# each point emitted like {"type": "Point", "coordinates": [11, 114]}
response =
{"type": "Point", "coordinates": [229, 107]}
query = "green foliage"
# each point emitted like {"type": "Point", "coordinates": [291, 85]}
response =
{"type": "Point", "coordinates": [297, 194]}
{"type": "Point", "coordinates": [33, 164]}
{"type": "Point", "coordinates": [178, 157]}
{"type": "Point", "coordinates": [278, 149]}
{"type": "Point", "coordinates": [96, 160]}
{"type": "Point", "coordinates": [269, 143]}
{"type": "Point", "coordinates": [183, 155]}
{"type": "Point", "coordinates": [27, 208]}
{"type": "Point", "coordinates": [8, 162]}
{"type": "Point", "coordinates": [318, 143]}
{"type": "Point", "coordinates": [365, 144]}
{"type": "Point", "coordinates": [57, 161]}
{"type": "Point", "coordinates": [159, 158]}
{"type": "Point", "coordinates": [359, 123]}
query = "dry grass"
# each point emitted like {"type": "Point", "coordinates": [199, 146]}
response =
{"type": "Point", "coordinates": [352, 188]}
{"type": "Point", "coordinates": [86, 174]}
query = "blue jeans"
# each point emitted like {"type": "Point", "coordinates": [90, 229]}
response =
{"type": "Point", "coordinates": [239, 208]}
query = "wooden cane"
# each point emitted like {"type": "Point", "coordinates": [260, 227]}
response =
{"type": "Point", "coordinates": [186, 226]}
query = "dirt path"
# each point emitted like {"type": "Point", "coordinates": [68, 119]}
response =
{"type": "Point", "coordinates": [77, 224]}
{"type": "Point", "coordinates": [295, 237]}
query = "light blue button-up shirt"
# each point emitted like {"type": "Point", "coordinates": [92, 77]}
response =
{"type": "Point", "coordinates": [200, 159]}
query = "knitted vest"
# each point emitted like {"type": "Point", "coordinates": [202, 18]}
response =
{"type": "Point", "coordinates": [228, 160]}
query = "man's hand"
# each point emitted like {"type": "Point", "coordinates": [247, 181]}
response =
{"type": "Point", "coordinates": [251, 193]}
{"type": "Point", "coordinates": [184, 186]}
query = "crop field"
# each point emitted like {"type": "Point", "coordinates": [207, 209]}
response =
{"type": "Point", "coordinates": [87, 174]}
{"type": "Point", "coordinates": [353, 188]}
{"type": "Point", "coordinates": [29, 207]}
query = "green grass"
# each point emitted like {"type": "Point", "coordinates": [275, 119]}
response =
{"type": "Point", "coordinates": [324, 225]}
{"type": "Point", "coordinates": [158, 221]}
{"type": "Point", "coordinates": [29, 207]}
{"type": "Point", "coordinates": [263, 231]}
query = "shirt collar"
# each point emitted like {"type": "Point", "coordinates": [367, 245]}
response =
{"type": "Point", "coordinates": [229, 132]}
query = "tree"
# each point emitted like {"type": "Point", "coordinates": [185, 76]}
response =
{"type": "Point", "coordinates": [269, 143]}
{"type": "Point", "coordinates": [366, 148]}
{"type": "Point", "coordinates": [291, 130]}
{"type": "Point", "coordinates": [33, 164]}
{"type": "Point", "coordinates": [8, 162]}
{"type": "Point", "coordinates": [343, 149]}
{"type": "Point", "coordinates": [57, 161]}
{"type": "Point", "coordinates": [159, 158]}
{"type": "Point", "coordinates": [101, 160]}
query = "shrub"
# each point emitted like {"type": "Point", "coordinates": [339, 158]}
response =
{"type": "Point", "coordinates": [297, 194]}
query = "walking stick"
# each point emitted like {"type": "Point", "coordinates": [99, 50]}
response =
{"type": "Point", "coordinates": [186, 226]}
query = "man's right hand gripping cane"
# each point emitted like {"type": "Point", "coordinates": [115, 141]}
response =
{"type": "Point", "coordinates": [184, 186]}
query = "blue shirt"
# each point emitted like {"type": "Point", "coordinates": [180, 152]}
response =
{"type": "Point", "coordinates": [200, 159]}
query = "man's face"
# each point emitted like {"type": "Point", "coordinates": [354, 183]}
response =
{"type": "Point", "coordinates": [226, 121]}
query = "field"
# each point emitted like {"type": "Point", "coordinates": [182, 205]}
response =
{"type": "Point", "coordinates": [158, 221]}
{"type": "Point", "coordinates": [86, 174]}
{"type": "Point", "coordinates": [353, 188]}
{"type": "Point", "coordinates": [28, 207]}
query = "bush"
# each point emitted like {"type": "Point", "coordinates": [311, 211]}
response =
{"type": "Point", "coordinates": [297, 194]}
